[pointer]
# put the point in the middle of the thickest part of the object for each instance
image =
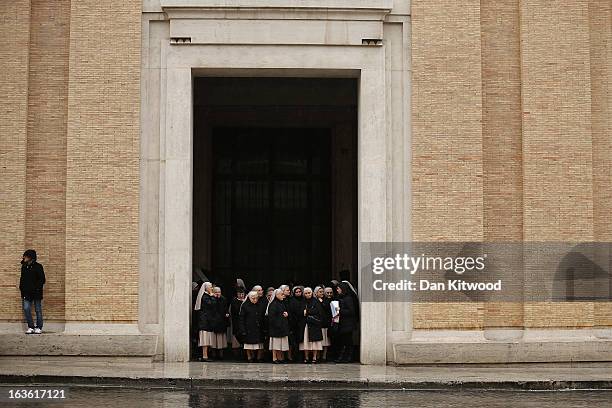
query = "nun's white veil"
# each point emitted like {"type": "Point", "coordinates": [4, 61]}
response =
{"type": "Point", "coordinates": [273, 298]}
{"type": "Point", "coordinates": [252, 293]}
{"type": "Point", "coordinates": [204, 288]}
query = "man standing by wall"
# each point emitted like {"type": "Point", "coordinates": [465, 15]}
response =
{"type": "Point", "coordinates": [31, 287]}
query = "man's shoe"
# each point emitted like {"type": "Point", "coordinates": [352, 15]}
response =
{"type": "Point", "coordinates": [30, 330]}
{"type": "Point", "coordinates": [37, 331]}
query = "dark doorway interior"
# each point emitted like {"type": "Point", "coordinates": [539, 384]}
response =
{"type": "Point", "coordinates": [271, 215]}
{"type": "Point", "coordinates": [274, 180]}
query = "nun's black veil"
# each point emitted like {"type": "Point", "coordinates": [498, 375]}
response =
{"type": "Point", "coordinates": [353, 293]}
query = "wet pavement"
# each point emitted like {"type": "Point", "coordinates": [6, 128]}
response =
{"type": "Point", "coordinates": [135, 372]}
{"type": "Point", "coordinates": [227, 398]}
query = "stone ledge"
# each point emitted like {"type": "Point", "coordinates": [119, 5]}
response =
{"type": "Point", "coordinates": [492, 352]}
{"type": "Point", "coordinates": [284, 4]}
{"type": "Point", "coordinates": [127, 372]}
{"type": "Point", "coordinates": [61, 344]}
{"type": "Point", "coordinates": [277, 9]}
{"type": "Point", "coordinates": [264, 382]}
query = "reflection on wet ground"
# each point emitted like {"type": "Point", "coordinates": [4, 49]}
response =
{"type": "Point", "coordinates": [100, 397]}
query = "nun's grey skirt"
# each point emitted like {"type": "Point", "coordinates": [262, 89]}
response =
{"type": "Point", "coordinates": [326, 341]}
{"type": "Point", "coordinates": [256, 346]}
{"type": "Point", "coordinates": [235, 342]}
{"type": "Point", "coordinates": [207, 339]}
{"type": "Point", "coordinates": [310, 345]}
{"type": "Point", "coordinates": [279, 343]}
{"type": "Point", "coordinates": [220, 340]}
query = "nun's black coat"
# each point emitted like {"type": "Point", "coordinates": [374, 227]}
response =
{"type": "Point", "coordinates": [235, 316]}
{"type": "Point", "coordinates": [221, 309]}
{"type": "Point", "coordinates": [327, 314]}
{"type": "Point", "coordinates": [314, 309]}
{"type": "Point", "coordinates": [263, 305]}
{"type": "Point", "coordinates": [208, 316]}
{"type": "Point", "coordinates": [296, 307]}
{"type": "Point", "coordinates": [348, 316]}
{"type": "Point", "coordinates": [251, 323]}
{"type": "Point", "coordinates": [278, 325]}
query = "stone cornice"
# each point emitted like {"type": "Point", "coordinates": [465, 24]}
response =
{"type": "Point", "coordinates": [278, 9]}
{"type": "Point", "coordinates": [293, 4]}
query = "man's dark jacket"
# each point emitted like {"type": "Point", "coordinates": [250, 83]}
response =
{"type": "Point", "coordinates": [32, 281]}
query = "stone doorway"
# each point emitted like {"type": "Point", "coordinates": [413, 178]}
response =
{"type": "Point", "coordinates": [275, 180]}
{"type": "Point", "coordinates": [177, 53]}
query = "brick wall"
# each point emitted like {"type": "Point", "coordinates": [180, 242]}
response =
{"type": "Point", "coordinates": [102, 178]}
{"type": "Point", "coordinates": [557, 148]}
{"type": "Point", "coordinates": [501, 139]}
{"type": "Point", "coordinates": [15, 34]}
{"type": "Point", "coordinates": [600, 15]}
{"type": "Point", "coordinates": [69, 124]}
{"type": "Point", "coordinates": [46, 145]}
{"type": "Point", "coordinates": [546, 142]}
{"type": "Point", "coordinates": [511, 140]}
{"type": "Point", "coordinates": [447, 150]}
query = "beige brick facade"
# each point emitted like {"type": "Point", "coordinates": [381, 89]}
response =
{"type": "Point", "coordinates": [511, 140]}
{"type": "Point", "coordinates": [447, 147]}
{"type": "Point", "coordinates": [71, 86]}
{"type": "Point", "coordinates": [600, 15]}
{"type": "Point", "coordinates": [46, 145]}
{"type": "Point", "coordinates": [102, 161]}
{"type": "Point", "coordinates": [501, 139]}
{"type": "Point", "coordinates": [14, 54]}
{"type": "Point", "coordinates": [557, 143]}
{"type": "Point", "coordinates": [540, 168]}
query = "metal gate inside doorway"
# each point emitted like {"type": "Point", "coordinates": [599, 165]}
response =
{"type": "Point", "coordinates": [271, 212]}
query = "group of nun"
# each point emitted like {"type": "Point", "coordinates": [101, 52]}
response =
{"type": "Point", "coordinates": [298, 324]}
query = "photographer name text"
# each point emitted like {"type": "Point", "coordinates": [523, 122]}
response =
{"type": "Point", "coordinates": [426, 285]}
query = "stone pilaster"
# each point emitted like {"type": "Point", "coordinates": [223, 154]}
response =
{"type": "Point", "coordinates": [14, 56]}
{"type": "Point", "coordinates": [102, 181]}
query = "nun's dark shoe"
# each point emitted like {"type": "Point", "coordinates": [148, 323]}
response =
{"type": "Point", "coordinates": [252, 361]}
{"type": "Point", "coordinates": [277, 362]}
{"type": "Point", "coordinates": [284, 361]}
{"type": "Point", "coordinates": [204, 360]}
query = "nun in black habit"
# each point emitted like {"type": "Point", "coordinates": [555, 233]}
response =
{"type": "Point", "coordinates": [222, 322]}
{"type": "Point", "coordinates": [263, 304]}
{"type": "Point", "coordinates": [235, 304]}
{"type": "Point", "coordinates": [326, 319]}
{"type": "Point", "coordinates": [310, 334]}
{"type": "Point", "coordinates": [347, 323]}
{"type": "Point", "coordinates": [251, 326]}
{"type": "Point", "coordinates": [287, 300]}
{"type": "Point", "coordinates": [278, 326]}
{"type": "Point", "coordinates": [296, 309]}
{"type": "Point", "coordinates": [206, 306]}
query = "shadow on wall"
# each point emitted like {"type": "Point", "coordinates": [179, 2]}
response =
{"type": "Point", "coordinates": [582, 278]}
